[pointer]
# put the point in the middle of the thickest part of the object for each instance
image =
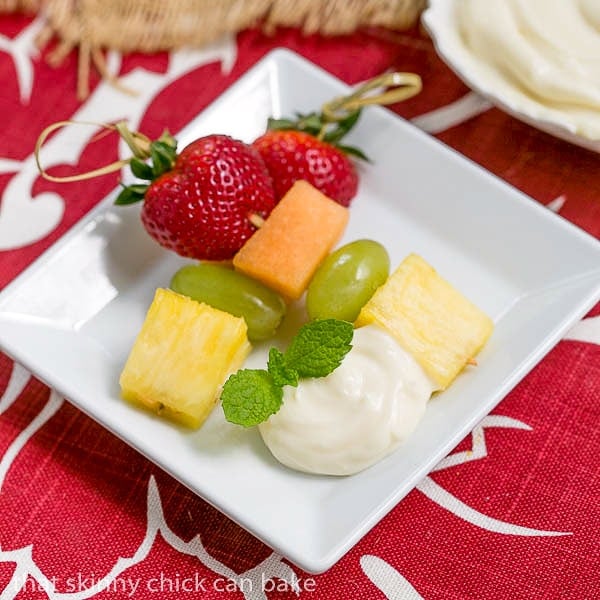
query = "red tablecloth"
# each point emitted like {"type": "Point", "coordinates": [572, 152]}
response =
{"type": "Point", "coordinates": [514, 515]}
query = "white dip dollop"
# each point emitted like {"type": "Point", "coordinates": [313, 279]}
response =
{"type": "Point", "coordinates": [347, 421]}
{"type": "Point", "coordinates": [541, 56]}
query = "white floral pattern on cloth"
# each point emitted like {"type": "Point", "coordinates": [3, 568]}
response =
{"type": "Point", "coordinates": [22, 50]}
{"type": "Point", "coordinates": [251, 583]}
{"type": "Point", "coordinates": [445, 499]}
{"type": "Point", "coordinates": [25, 218]}
{"type": "Point", "coordinates": [587, 330]}
{"type": "Point", "coordinates": [387, 579]}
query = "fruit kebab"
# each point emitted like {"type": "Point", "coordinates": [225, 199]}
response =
{"type": "Point", "coordinates": [205, 201]}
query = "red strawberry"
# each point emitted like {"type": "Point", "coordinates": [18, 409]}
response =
{"type": "Point", "coordinates": [200, 203]}
{"type": "Point", "coordinates": [291, 155]}
{"type": "Point", "coordinates": [308, 146]}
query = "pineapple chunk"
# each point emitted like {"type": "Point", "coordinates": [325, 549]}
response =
{"type": "Point", "coordinates": [429, 318]}
{"type": "Point", "coordinates": [182, 355]}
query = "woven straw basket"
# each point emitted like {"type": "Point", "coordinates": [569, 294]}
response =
{"type": "Point", "coordinates": [153, 25]}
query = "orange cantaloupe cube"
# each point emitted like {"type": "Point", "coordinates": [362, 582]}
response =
{"type": "Point", "coordinates": [298, 234]}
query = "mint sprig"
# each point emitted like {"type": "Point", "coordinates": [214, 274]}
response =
{"type": "Point", "coordinates": [279, 370]}
{"type": "Point", "coordinates": [319, 347]}
{"type": "Point", "coordinates": [251, 396]}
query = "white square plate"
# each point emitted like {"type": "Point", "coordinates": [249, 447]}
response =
{"type": "Point", "coordinates": [71, 318]}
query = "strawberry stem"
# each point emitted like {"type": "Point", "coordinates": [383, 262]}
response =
{"type": "Point", "coordinates": [161, 152]}
{"type": "Point", "coordinates": [138, 143]}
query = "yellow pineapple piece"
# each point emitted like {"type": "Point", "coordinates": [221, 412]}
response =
{"type": "Point", "coordinates": [429, 318]}
{"type": "Point", "coordinates": [181, 357]}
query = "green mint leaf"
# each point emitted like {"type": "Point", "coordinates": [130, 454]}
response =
{"type": "Point", "coordinates": [140, 169]}
{"type": "Point", "coordinates": [279, 370]}
{"type": "Point", "coordinates": [319, 347]}
{"type": "Point", "coordinates": [250, 397]}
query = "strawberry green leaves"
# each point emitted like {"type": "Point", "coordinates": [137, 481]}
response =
{"type": "Point", "coordinates": [162, 154]}
{"type": "Point", "coordinates": [338, 116]}
{"type": "Point", "coordinates": [140, 169]}
{"type": "Point", "coordinates": [251, 396]}
{"type": "Point", "coordinates": [131, 194]}
{"type": "Point", "coordinates": [327, 130]}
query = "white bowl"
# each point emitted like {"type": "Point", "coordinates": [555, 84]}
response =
{"type": "Point", "coordinates": [441, 22]}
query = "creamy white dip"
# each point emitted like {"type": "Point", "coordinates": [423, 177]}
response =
{"type": "Point", "coordinates": [539, 52]}
{"type": "Point", "coordinates": [347, 421]}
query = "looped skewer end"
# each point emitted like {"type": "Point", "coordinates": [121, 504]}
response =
{"type": "Point", "coordinates": [137, 142]}
{"type": "Point", "coordinates": [393, 87]}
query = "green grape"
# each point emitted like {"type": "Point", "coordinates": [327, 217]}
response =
{"type": "Point", "coordinates": [235, 293]}
{"type": "Point", "coordinates": [346, 279]}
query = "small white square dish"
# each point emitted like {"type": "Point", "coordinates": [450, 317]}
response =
{"type": "Point", "coordinates": [71, 317]}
